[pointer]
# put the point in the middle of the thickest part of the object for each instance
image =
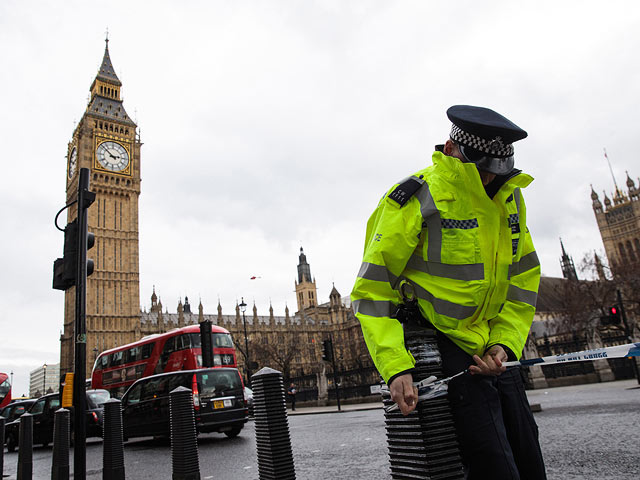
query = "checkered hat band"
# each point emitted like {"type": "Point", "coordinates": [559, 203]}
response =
{"type": "Point", "coordinates": [461, 224]}
{"type": "Point", "coordinates": [494, 147]}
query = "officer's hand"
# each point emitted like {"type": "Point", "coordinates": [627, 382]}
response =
{"type": "Point", "coordinates": [490, 363]}
{"type": "Point", "coordinates": [404, 393]}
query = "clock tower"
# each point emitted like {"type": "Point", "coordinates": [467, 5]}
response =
{"type": "Point", "coordinates": [106, 142]}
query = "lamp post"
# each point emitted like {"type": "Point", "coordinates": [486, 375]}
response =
{"type": "Point", "coordinates": [44, 385]}
{"type": "Point", "coordinates": [95, 354]}
{"type": "Point", "coordinates": [243, 308]}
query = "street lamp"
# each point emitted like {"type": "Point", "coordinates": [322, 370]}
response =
{"type": "Point", "coordinates": [44, 386]}
{"type": "Point", "coordinates": [243, 308]}
{"type": "Point", "coordinates": [95, 354]}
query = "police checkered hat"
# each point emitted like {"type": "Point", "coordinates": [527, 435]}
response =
{"type": "Point", "coordinates": [484, 130]}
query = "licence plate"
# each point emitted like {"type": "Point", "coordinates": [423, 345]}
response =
{"type": "Point", "coordinates": [222, 403]}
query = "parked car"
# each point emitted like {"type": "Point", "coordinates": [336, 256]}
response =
{"type": "Point", "coordinates": [218, 402]}
{"type": "Point", "coordinates": [43, 410]}
{"type": "Point", "coordinates": [15, 409]}
{"type": "Point", "coordinates": [248, 400]}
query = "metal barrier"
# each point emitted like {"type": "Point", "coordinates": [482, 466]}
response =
{"type": "Point", "coordinates": [184, 439]}
{"type": "Point", "coordinates": [112, 446]}
{"type": "Point", "coordinates": [61, 438]}
{"type": "Point", "coordinates": [423, 445]}
{"type": "Point", "coordinates": [275, 458]}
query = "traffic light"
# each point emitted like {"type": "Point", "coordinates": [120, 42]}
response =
{"type": "Point", "coordinates": [612, 317]}
{"type": "Point", "coordinates": [206, 345]}
{"type": "Point", "coordinates": [65, 269]}
{"type": "Point", "coordinates": [327, 350]}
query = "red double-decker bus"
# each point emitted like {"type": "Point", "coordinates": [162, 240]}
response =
{"type": "Point", "coordinates": [178, 349]}
{"type": "Point", "coordinates": [5, 390]}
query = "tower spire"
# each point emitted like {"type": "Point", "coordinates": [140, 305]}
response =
{"type": "Point", "coordinates": [612, 175]}
{"type": "Point", "coordinates": [566, 262]}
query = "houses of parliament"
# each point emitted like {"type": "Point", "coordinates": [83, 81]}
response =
{"type": "Point", "coordinates": [106, 141]}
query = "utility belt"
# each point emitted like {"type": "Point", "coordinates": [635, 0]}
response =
{"type": "Point", "coordinates": [408, 312]}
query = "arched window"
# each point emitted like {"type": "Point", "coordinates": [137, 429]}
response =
{"type": "Point", "coordinates": [632, 256]}
{"type": "Point", "coordinates": [623, 254]}
{"type": "Point", "coordinates": [637, 244]}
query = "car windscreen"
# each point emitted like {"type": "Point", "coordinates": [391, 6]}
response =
{"type": "Point", "coordinates": [219, 383]}
{"type": "Point", "coordinates": [96, 398]}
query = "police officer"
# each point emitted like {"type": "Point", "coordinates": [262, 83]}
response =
{"type": "Point", "coordinates": [455, 233]}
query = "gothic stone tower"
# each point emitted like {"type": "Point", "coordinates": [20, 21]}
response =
{"type": "Point", "coordinates": [106, 142]}
{"type": "Point", "coordinates": [306, 291]}
{"type": "Point", "coordinates": [619, 224]}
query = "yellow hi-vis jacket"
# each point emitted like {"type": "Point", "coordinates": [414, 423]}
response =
{"type": "Point", "coordinates": [469, 258]}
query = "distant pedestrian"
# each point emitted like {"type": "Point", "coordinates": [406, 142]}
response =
{"type": "Point", "coordinates": [292, 395]}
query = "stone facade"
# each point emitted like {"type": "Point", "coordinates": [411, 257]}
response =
{"type": "Point", "coordinates": [619, 224]}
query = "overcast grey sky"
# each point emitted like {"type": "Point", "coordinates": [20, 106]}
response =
{"type": "Point", "coordinates": [270, 125]}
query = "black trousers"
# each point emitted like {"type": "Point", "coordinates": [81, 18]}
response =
{"type": "Point", "coordinates": [496, 429]}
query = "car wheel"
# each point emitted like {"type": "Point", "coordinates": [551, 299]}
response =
{"type": "Point", "coordinates": [11, 443]}
{"type": "Point", "coordinates": [234, 432]}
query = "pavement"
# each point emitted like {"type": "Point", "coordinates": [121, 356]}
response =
{"type": "Point", "coordinates": [334, 409]}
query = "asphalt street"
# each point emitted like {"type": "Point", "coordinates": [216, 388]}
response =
{"type": "Point", "coordinates": [587, 432]}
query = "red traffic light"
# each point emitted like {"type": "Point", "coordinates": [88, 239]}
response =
{"type": "Point", "coordinates": [614, 311]}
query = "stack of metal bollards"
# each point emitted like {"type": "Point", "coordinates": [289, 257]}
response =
{"type": "Point", "coordinates": [275, 458]}
{"type": "Point", "coordinates": [423, 445]}
{"type": "Point", "coordinates": [25, 447]}
{"type": "Point", "coordinates": [184, 438]}
{"type": "Point", "coordinates": [112, 447]}
{"type": "Point", "coordinates": [60, 455]}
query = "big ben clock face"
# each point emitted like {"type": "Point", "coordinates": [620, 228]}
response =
{"type": "Point", "coordinates": [112, 156]}
{"type": "Point", "coordinates": [73, 161]}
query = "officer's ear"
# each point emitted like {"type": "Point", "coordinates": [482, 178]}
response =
{"type": "Point", "coordinates": [449, 148]}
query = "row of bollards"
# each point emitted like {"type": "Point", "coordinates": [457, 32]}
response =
{"type": "Point", "coordinates": [423, 445]}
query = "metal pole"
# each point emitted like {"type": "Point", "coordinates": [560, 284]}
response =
{"type": "Point", "coordinates": [79, 387]}
{"type": "Point", "coordinates": [627, 332]}
{"type": "Point", "coordinates": [335, 377]}
{"type": "Point", "coordinates": [246, 341]}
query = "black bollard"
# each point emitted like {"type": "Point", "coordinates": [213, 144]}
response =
{"type": "Point", "coordinates": [184, 438]}
{"type": "Point", "coordinates": [423, 445]}
{"type": "Point", "coordinates": [2, 421]}
{"type": "Point", "coordinates": [112, 446]}
{"type": "Point", "coordinates": [275, 458]}
{"type": "Point", "coordinates": [61, 434]}
{"type": "Point", "coordinates": [25, 447]}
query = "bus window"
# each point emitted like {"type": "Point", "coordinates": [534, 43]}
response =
{"type": "Point", "coordinates": [222, 340]}
{"type": "Point", "coordinates": [116, 359]}
{"type": "Point", "coordinates": [103, 362]}
{"type": "Point", "coordinates": [147, 349]}
{"type": "Point", "coordinates": [195, 340]}
{"type": "Point", "coordinates": [183, 342]}
{"type": "Point", "coordinates": [169, 348]}
{"type": "Point", "coordinates": [133, 354]}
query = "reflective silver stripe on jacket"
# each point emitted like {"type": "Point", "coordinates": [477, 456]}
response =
{"type": "Point", "coordinates": [526, 263]}
{"type": "Point", "coordinates": [525, 296]}
{"type": "Point", "coordinates": [373, 308]}
{"type": "Point", "coordinates": [444, 307]}
{"type": "Point", "coordinates": [431, 219]}
{"type": "Point", "coordinates": [468, 272]}
{"type": "Point", "coordinates": [377, 273]}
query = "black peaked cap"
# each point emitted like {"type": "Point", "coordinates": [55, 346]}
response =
{"type": "Point", "coordinates": [483, 126]}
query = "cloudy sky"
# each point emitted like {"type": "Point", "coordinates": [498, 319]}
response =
{"type": "Point", "coordinates": [270, 125]}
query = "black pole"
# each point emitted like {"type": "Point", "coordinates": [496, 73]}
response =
{"type": "Point", "coordinates": [243, 306]}
{"type": "Point", "coordinates": [85, 198]}
{"type": "Point", "coordinates": [335, 377]}
{"type": "Point", "coordinates": [627, 332]}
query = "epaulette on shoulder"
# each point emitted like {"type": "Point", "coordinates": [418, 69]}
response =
{"type": "Point", "coordinates": [403, 192]}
